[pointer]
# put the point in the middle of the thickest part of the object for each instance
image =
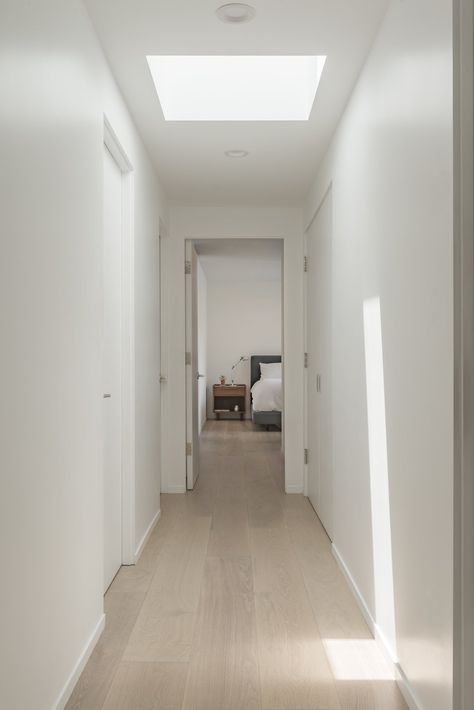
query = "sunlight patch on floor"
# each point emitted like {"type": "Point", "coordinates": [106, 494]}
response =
{"type": "Point", "coordinates": [357, 659]}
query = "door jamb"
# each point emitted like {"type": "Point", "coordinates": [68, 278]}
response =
{"type": "Point", "coordinates": [463, 54]}
{"type": "Point", "coordinates": [113, 144]}
{"type": "Point", "coordinates": [163, 374]}
{"type": "Point", "coordinates": [306, 354]}
{"type": "Point", "coordinates": [189, 374]}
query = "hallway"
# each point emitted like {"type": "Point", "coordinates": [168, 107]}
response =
{"type": "Point", "coordinates": [236, 602]}
{"type": "Point", "coordinates": [338, 134]}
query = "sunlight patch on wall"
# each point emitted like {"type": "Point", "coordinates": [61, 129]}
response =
{"type": "Point", "coordinates": [379, 480]}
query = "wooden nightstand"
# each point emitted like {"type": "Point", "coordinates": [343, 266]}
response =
{"type": "Point", "coordinates": [226, 397]}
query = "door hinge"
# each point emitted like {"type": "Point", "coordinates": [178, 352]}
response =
{"type": "Point", "coordinates": [306, 456]}
{"type": "Point", "coordinates": [187, 359]}
{"type": "Point", "coordinates": [318, 383]}
{"type": "Point", "coordinates": [187, 267]}
{"type": "Point", "coordinates": [306, 359]}
{"type": "Point", "coordinates": [189, 448]}
{"type": "Point", "coordinates": [305, 264]}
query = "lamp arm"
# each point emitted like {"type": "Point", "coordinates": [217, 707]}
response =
{"type": "Point", "coordinates": [238, 362]}
{"type": "Point", "coordinates": [242, 359]}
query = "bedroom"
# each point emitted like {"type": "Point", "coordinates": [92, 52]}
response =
{"type": "Point", "coordinates": [234, 337]}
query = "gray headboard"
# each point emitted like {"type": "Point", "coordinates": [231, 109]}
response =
{"type": "Point", "coordinates": [255, 361]}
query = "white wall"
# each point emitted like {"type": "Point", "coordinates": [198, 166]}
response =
{"type": "Point", "coordinates": [244, 318]}
{"type": "Point", "coordinates": [390, 164]}
{"type": "Point", "coordinates": [55, 90]}
{"type": "Point", "coordinates": [222, 223]}
{"type": "Point", "coordinates": [203, 362]}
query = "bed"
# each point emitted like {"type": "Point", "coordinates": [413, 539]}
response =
{"type": "Point", "coordinates": [265, 401]}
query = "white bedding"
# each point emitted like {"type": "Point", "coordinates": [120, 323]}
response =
{"type": "Point", "coordinates": [267, 396]}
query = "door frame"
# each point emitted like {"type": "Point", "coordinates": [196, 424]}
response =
{"type": "Point", "coordinates": [191, 325]}
{"type": "Point", "coordinates": [114, 146]}
{"type": "Point", "coordinates": [463, 55]}
{"type": "Point", "coordinates": [188, 324]}
{"type": "Point", "coordinates": [163, 374]}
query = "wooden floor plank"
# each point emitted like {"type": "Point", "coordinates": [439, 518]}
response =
{"type": "Point", "coordinates": [334, 605]}
{"type": "Point", "coordinates": [229, 535]}
{"type": "Point", "coordinates": [122, 604]}
{"type": "Point", "coordinates": [164, 628]}
{"type": "Point", "coordinates": [370, 695]}
{"type": "Point", "coordinates": [224, 672]}
{"type": "Point", "coordinates": [147, 686]}
{"type": "Point", "coordinates": [364, 680]}
{"type": "Point", "coordinates": [122, 609]}
{"type": "Point", "coordinates": [294, 669]}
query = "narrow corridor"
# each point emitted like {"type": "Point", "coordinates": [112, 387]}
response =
{"type": "Point", "coordinates": [237, 602]}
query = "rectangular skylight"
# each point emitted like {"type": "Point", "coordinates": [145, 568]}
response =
{"type": "Point", "coordinates": [236, 88]}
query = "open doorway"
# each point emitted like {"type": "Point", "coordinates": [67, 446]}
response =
{"type": "Point", "coordinates": [234, 332]}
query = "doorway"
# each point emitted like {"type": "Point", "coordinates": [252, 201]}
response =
{"type": "Point", "coordinates": [117, 359]}
{"type": "Point", "coordinates": [112, 368]}
{"type": "Point", "coordinates": [319, 364]}
{"type": "Point", "coordinates": [234, 332]}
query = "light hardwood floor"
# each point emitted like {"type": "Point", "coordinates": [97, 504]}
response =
{"type": "Point", "coordinates": [236, 602]}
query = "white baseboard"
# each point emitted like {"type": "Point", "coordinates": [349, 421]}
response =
{"type": "Point", "coordinates": [146, 537]}
{"type": "Point", "coordinates": [407, 691]}
{"type": "Point", "coordinates": [80, 665]}
{"type": "Point", "coordinates": [174, 489]}
{"type": "Point", "coordinates": [402, 680]}
{"type": "Point", "coordinates": [355, 590]}
{"type": "Point", "coordinates": [294, 489]}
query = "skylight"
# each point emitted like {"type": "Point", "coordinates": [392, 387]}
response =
{"type": "Point", "coordinates": [236, 88]}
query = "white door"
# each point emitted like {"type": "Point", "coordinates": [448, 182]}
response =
{"type": "Point", "coordinates": [319, 329]}
{"type": "Point", "coordinates": [112, 368]}
{"type": "Point", "coordinates": [192, 368]}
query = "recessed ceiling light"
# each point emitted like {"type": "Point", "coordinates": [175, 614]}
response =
{"type": "Point", "coordinates": [236, 88]}
{"type": "Point", "coordinates": [235, 12]}
{"type": "Point", "coordinates": [236, 153]}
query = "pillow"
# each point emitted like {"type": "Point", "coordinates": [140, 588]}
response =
{"type": "Point", "coordinates": [270, 370]}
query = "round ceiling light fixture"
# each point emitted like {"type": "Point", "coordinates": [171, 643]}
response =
{"type": "Point", "coordinates": [236, 153]}
{"type": "Point", "coordinates": [235, 12]}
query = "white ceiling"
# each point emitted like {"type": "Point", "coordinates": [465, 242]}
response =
{"type": "Point", "coordinates": [189, 157]}
{"type": "Point", "coordinates": [241, 259]}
